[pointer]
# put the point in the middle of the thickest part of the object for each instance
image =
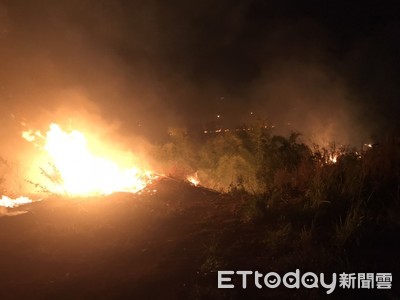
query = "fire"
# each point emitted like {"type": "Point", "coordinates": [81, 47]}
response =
{"type": "Point", "coordinates": [75, 170]}
{"type": "Point", "coordinates": [193, 179]}
{"type": "Point", "coordinates": [9, 202]}
{"type": "Point", "coordinates": [333, 158]}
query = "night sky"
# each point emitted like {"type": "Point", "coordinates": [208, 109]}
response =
{"type": "Point", "coordinates": [328, 68]}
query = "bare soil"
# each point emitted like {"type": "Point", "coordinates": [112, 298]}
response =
{"type": "Point", "coordinates": [145, 246]}
{"type": "Point", "coordinates": [163, 244]}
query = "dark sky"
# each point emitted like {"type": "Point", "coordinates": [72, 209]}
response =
{"type": "Point", "coordinates": [328, 68]}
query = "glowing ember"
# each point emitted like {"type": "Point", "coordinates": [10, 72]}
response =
{"type": "Point", "coordinates": [193, 179]}
{"type": "Point", "coordinates": [333, 158]}
{"type": "Point", "coordinates": [76, 171]}
{"type": "Point", "coordinates": [8, 202]}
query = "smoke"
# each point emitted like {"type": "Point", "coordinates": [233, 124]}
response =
{"type": "Point", "coordinates": [130, 70]}
{"type": "Point", "coordinates": [158, 64]}
{"type": "Point", "coordinates": [308, 99]}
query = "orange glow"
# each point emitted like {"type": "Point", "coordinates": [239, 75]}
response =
{"type": "Point", "coordinates": [193, 179]}
{"type": "Point", "coordinates": [9, 202]}
{"type": "Point", "coordinates": [76, 171]}
{"type": "Point", "coordinates": [333, 158]}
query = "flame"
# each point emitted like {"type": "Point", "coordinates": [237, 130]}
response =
{"type": "Point", "coordinates": [75, 170]}
{"type": "Point", "coordinates": [333, 158]}
{"type": "Point", "coordinates": [193, 179]}
{"type": "Point", "coordinates": [9, 202]}
{"type": "Point", "coordinates": [368, 145]}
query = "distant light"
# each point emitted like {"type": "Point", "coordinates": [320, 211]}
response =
{"type": "Point", "coordinates": [205, 131]}
{"type": "Point", "coordinates": [218, 116]}
{"type": "Point", "coordinates": [251, 113]}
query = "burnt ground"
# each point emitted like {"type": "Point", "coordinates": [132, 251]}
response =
{"type": "Point", "coordinates": [162, 245]}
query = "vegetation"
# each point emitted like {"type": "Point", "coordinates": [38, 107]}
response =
{"type": "Point", "coordinates": [332, 202]}
{"type": "Point", "coordinates": [283, 205]}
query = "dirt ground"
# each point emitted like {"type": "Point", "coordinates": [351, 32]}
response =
{"type": "Point", "coordinates": [146, 246]}
{"type": "Point", "coordinates": [165, 243]}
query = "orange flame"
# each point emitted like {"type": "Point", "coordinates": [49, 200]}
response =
{"type": "Point", "coordinates": [333, 158]}
{"type": "Point", "coordinates": [78, 172]}
{"type": "Point", "coordinates": [9, 202]}
{"type": "Point", "coordinates": [193, 179]}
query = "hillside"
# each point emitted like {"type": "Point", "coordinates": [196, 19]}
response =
{"type": "Point", "coordinates": [167, 242]}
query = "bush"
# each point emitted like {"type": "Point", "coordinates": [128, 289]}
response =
{"type": "Point", "coordinates": [340, 186]}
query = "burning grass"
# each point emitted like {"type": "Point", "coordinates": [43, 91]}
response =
{"type": "Point", "coordinates": [9, 202]}
{"type": "Point", "coordinates": [74, 170]}
{"type": "Point", "coordinates": [283, 205]}
{"type": "Point", "coordinates": [332, 202]}
{"type": "Point", "coordinates": [349, 187]}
